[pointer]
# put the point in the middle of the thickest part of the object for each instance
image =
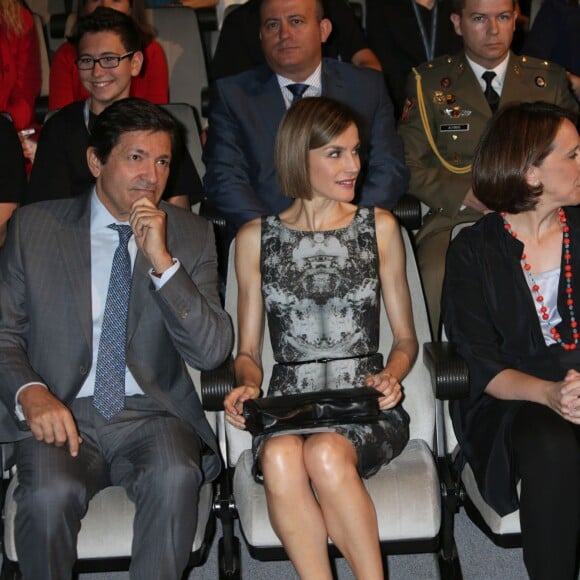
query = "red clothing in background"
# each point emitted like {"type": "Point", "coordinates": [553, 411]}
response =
{"type": "Point", "coordinates": [152, 83]}
{"type": "Point", "coordinates": [20, 74]}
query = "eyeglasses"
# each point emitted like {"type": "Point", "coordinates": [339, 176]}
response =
{"type": "Point", "coordinates": [107, 61]}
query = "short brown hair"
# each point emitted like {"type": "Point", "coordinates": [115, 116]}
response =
{"type": "Point", "coordinates": [104, 19]}
{"type": "Point", "coordinates": [459, 5]}
{"type": "Point", "coordinates": [520, 136]}
{"type": "Point", "coordinates": [309, 124]}
{"type": "Point", "coordinates": [138, 14]}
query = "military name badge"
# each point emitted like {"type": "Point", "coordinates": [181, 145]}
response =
{"type": "Point", "coordinates": [454, 127]}
{"type": "Point", "coordinates": [540, 82]}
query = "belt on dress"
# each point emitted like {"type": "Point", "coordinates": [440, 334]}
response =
{"type": "Point", "coordinates": [323, 361]}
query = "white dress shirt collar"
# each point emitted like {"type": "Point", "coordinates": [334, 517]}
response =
{"type": "Point", "coordinates": [500, 72]}
{"type": "Point", "coordinates": [101, 217]}
{"type": "Point", "coordinates": [314, 82]}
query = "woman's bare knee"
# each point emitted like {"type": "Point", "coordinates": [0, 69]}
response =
{"type": "Point", "coordinates": [281, 459]}
{"type": "Point", "coordinates": [329, 459]}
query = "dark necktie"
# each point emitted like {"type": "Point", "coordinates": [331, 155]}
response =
{"type": "Point", "coordinates": [297, 90]}
{"type": "Point", "coordinates": [109, 396]}
{"type": "Point", "coordinates": [490, 95]}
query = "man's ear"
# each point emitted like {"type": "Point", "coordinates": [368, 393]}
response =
{"type": "Point", "coordinates": [456, 21]}
{"type": "Point", "coordinates": [325, 29]}
{"type": "Point", "coordinates": [93, 162]}
{"type": "Point", "coordinates": [136, 63]}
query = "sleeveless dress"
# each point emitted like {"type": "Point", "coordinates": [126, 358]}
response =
{"type": "Point", "coordinates": [321, 292]}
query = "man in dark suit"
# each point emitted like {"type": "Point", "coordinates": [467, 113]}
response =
{"type": "Point", "coordinates": [246, 110]}
{"type": "Point", "coordinates": [103, 298]}
{"type": "Point", "coordinates": [239, 47]}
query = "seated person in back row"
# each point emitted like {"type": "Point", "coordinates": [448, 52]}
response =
{"type": "Point", "coordinates": [239, 49]}
{"type": "Point", "coordinates": [99, 372]}
{"type": "Point", "coordinates": [152, 82]}
{"type": "Point", "coordinates": [109, 57]}
{"type": "Point", "coordinates": [246, 109]}
{"type": "Point", "coordinates": [460, 94]}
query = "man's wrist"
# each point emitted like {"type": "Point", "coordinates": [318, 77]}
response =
{"type": "Point", "coordinates": [17, 402]}
{"type": "Point", "coordinates": [160, 266]}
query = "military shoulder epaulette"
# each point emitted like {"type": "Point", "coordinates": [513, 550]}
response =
{"type": "Point", "coordinates": [436, 63]}
{"type": "Point", "coordinates": [535, 63]}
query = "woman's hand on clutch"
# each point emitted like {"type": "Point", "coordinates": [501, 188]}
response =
{"type": "Point", "coordinates": [234, 404]}
{"type": "Point", "coordinates": [389, 386]}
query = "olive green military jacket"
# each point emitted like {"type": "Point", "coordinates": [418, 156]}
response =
{"type": "Point", "coordinates": [457, 112]}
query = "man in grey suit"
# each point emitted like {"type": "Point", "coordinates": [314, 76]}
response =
{"type": "Point", "coordinates": [109, 402]}
{"type": "Point", "coordinates": [246, 109]}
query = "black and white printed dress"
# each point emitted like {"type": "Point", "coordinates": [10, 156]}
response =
{"type": "Point", "coordinates": [321, 292]}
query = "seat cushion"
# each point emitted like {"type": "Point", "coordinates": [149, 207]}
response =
{"type": "Point", "coordinates": [405, 494]}
{"type": "Point", "coordinates": [508, 524]}
{"type": "Point", "coordinates": [107, 528]}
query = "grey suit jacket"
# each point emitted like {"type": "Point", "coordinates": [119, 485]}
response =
{"type": "Point", "coordinates": [46, 320]}
{"type": "Point", "coordinates": [245, 112]}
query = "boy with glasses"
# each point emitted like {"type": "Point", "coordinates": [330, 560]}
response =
{"type": "Point", "coordinates": [109, 55]}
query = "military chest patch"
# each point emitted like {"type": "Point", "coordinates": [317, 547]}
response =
{"type": "Point", "coordinates": [456, 111]}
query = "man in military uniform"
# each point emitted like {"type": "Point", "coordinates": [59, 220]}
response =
{"type": "Point", "coordinates": [450, 100]}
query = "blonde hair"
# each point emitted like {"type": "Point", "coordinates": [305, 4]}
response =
{"type": "Point", "coordinates": [11, 16]}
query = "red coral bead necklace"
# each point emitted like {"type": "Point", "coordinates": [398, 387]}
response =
{"type": "Point", "coordinates": [542, 310]}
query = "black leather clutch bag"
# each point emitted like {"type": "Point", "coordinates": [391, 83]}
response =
{"type": "Point", "coordinates": [310, 410]}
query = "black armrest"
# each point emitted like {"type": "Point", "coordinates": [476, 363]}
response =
{"type": "Point", "coordinates": [449, 373]}
{"type": "Point", "coordinates": [408, 212]}
{"type": "Point", "coordinates": [216, 384]}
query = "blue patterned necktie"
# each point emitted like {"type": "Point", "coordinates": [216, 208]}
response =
{"type": "Point", "coordinates": [298, 90]}
{"type": "Point", "coordinates": [109, 396]}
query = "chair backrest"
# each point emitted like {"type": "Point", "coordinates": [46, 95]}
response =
{"type": "Point", "coordinates": [45, 8]}
{"type": "Point", "coordinates": [44, 60]}
{"type": "Point", "coordinates": [419, 398]}
{"type": "Point", "coordinates": [178, 34]}
{"type": "Point", "coordinates": [223, 9]}
{"type": "Point", "coordinates": [186, 115]}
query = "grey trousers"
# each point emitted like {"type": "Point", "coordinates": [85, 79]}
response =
{"type": "Point", "coordinates": [153, 455]}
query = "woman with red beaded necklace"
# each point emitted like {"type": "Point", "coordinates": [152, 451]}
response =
{"type": "Point", "coordinates": [510, 299]}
